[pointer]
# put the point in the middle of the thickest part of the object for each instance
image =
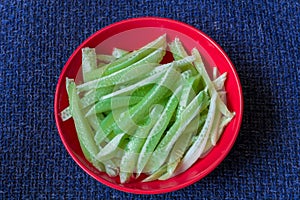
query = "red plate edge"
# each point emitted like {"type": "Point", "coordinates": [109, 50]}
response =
{"type": "Point", "coordinates": [179, 186]}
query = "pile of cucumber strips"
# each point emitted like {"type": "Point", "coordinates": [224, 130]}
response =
{"type": "Point", "coordinates": [136, 116]}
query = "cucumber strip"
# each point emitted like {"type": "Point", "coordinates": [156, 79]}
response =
{"type": "Point", "coordinates": [65, 114]}
{"type": "Point", "coordinates": [214, 133]}
{"type": "Point", "coordinates": [157, 131]}
{"type": "Point", "coordinates": [105, 58]}
{"type": "Point", "coordinates": [133, 71]}
{"type": "Point", "coordinates": [118, 53]}
{"type": "Point", "coordinates": [97, 73]}
{"type": "Point", "coordinates": [213, 136]}
{"type": "Point", "coordinates": [177, 49]}
{"type": "Point", "coordinates": [134, 146]}
{"type": "Point", "coordinates": [83, 129]}
{"type": "Point", "coordinates": [179, 52]}
{"type": "Point", "coordinates": [109, 104]}
{"type": "Point", "coordinates": [122, 76]}
{"type": "Point", "coordinates": [198, 146]}
{"type": "Point", "coordinates": [212, 91]}
{"type": "Point", "coordinates": [199, 103]}
{"type": "Point", "coordinates": [135, 56]}
{"type": "Point", "coordinates": [89, 61]}
{"type": "Point", "coordinates": [187, 95]}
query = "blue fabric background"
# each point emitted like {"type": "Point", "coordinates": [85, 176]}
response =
{"type": "Point", "coordinates": [262, 38]}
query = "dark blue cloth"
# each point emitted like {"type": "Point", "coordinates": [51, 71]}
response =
{"type": "Point", "coordinates": [262, 38]}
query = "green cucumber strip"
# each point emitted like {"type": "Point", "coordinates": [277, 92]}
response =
{"type": "Point", "coordinates": [135, 56]}
{"type": "Point", "coordinates": [89, 61]}
{"type": "Point", "coordinates": [199, 103]}
{"type": "Point", "coordinates": [214, 133]}
{"type": "Point", "coordinates": [97, 73]}
{"type": "Point", "coordinates": [157, 131]}
{"type": "Point", "coordinates": [111, 171]}
{"type": "Point", "coordinates": [179, 52]}
{"type": "Point", "coordinates": [65, 114]}
{"type": "Point", "coordinates": [118, 53]}
{"type": "Point", "coordinates": [131, 72]}
{"type": "Point", "coordinates": [213, 136]}
{"type": "Point", "coordinates": [212, 91]}
{"type": "Point", "coordinates": [122, 76]}
{"type": "Point", "coordinates": [83, 129]}
{"type": "Point", "coordinates": [187, 94]}
{"type": "Point", "coordinates": [197, 148]}
{"type": "Point", "coordinates": [177, 49]}
{"type": "Point", "coordinates": [109, 104]}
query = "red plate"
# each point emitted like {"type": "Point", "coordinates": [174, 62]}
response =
{"type": "Point", "coordinates": [131, 34]}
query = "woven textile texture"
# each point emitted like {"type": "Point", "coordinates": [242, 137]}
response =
{"type": "Point", "coordinates": [262, 38]}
